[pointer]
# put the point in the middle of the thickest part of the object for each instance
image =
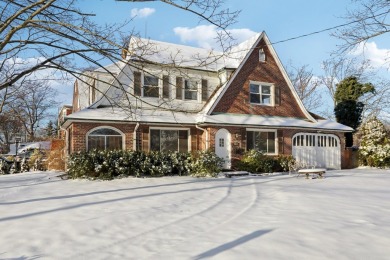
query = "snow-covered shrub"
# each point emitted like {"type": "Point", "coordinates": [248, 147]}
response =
{"type": "Point", "coordinates": [111, 164]}
{"type": "Point", "coordinates": [38, 160]}
{"type": "Point", "coordinates": [205, 164]}
{"type": "Point", "coordinates": [256, 161]}
{"type": "Point", "coordinates": [81, 165]}
{"type": "Point", "coordinates": [181, 163]}
{"type": "Point", "coordinates": [375, 144]}
{"type": "Point", "coordinates": [284, 162]}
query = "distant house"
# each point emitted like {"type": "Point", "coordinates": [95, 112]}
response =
{"type": "Point", "coordinates": [164, 96]}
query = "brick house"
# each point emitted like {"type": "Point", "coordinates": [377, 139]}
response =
{"type": "Point", "coordinates": [164, 96]}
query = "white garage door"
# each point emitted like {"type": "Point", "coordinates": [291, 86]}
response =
{"type": "Point", "coordinates": [317, 150]}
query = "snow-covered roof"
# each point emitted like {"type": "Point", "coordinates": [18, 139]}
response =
{"type": "Point", "coordinates": [187, 56]}
{"type": "Point", "coordinates": [139, 115]}
{"type": "Point", "coordinates": [170, 117]}
{"type": "Point", "coordinates": [113, 68]}
{"type": "Point", "coordinates": [272, 121]}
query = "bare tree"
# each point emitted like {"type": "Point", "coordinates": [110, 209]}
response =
{"type": "Point", "coordinates": [306, 86]}
{"type": "Point", "coordinates": [48, 34]}
{"type": "Point", "coordinates": [378, 104]}
{"type": "Point", "coordinates": [32, 105]}
{"type": "Point", "coordinates": [56, 35]}
{"type": "Point", "coordinates": [369, 20]}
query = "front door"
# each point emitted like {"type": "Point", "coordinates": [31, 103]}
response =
{"type": "Point", "coordinates": [223, 147]}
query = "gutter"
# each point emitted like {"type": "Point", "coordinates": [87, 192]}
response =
{"type": "Point", "coordinates": [135, 137]}
{"type": "Point", "coordinates": [207, 135]}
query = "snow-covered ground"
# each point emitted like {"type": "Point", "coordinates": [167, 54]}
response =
{"type": "Point", "coordinates": [344, 216]}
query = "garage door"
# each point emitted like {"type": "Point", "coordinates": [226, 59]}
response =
{"type": "Point", "coordinates": [317, 150]}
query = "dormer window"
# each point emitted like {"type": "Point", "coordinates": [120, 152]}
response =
{"type": "Point", "coordinates": [190, 90]}
{"type": "Point", "coordinates": [261, 55]}
{"type": "Point", "coordinates": [150, 87]}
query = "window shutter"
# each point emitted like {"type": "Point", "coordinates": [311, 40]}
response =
{"type": "Point", "coordinates": [165, 86]}
{"type": "Point", "coordinates": [179, 88]}
{"type": "Point", "coordinates": [278, 97]}
{"type": "Point", "coordinates": [243, 139]}
{"type": "Point", "coordinates": [204, 90]}
{"type": "Point", "coordinates": [137, 83]}
{"type": "Point", "coordinates": [145, 139]}
{"type": "Point", "coordinates": [194, 139]}
{"type": "Point", "coordinates": [280, 141]}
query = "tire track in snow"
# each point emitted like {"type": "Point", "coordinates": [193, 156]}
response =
{"type": "Point", "coordinates": [145, 233]}
{"type": "Point", "coordinates": [252, 202]}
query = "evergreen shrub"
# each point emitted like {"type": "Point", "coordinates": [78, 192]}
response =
{"type": "Point", "coordinates": [257, 162]}
{"type": "Point", "coordinates": [107, 165]}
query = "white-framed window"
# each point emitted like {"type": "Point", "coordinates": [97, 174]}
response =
{"type": "Point", "coordinates": [151, 86]}
{"type": "Point", "coordinates": [261, 93]}
{"type": "Point", "coordinates": [169, 139]}
{"type": "Point", "coordinates": [190, 89]}
{"type": "Point", "coordinates": [262, 140]}
{"type": "Point", "coordinates": [105, 138]}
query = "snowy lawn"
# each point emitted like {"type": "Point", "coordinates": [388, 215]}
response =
{"type": "Point", "coordinates": [344, 216]}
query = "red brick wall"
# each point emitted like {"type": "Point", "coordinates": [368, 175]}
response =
{"type": "Point", "coordinates": [80, 130]}
{"type": "Point", "coordinates": [236, 98]}
{"type": "Point", "coordinates": [238, 141]}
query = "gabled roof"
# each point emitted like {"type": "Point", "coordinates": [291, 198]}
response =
{"type": "Point", "coordinates": [191, 57]}
{"type": "Point", "coordinates": [217, 98]}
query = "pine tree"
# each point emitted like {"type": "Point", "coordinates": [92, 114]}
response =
{"type": "Point", "coordinates": [50, 129]}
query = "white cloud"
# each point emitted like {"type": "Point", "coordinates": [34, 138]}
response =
{"type": "Point", "coordinates": [205, 36]}
{"type": "Point", "coordinates": [142, 13]}
{"type": "Point", "coordinates": [378, 57]}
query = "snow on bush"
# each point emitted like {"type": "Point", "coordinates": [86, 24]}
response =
{"type": "Point", "coordinates": [375, 144]}
{"type": "Point", "coordinates": [257, 162]}
{"type": "Point", "coordinates": [110, 164]}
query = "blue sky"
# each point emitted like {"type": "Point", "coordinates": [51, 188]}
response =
{"type": "Point", "coordinates": [280, 19]}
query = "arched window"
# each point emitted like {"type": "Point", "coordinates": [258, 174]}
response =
{"type": "Point", "coordinates": [105, 139]}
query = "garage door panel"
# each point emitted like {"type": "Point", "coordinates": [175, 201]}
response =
{"type": "Point", "coordinates": [317, 150]}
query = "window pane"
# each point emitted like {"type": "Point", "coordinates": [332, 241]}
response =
{"type": "Point", "coordinates": [96, 142]}
{"type": "Point", "coordinates": [254, 88]}
{"type": "Point", "coordinates": [113, 142]}
{"type": "Point", "coordinates": [155, 140]}
{"type": "Point", "coordinates": [183, 141]}
{"type": "Point", "coordinates": [190, 84]}
{"type": "Point", "coordinates": [266, 99]}
{"type": "Point", "coordinates": [261, 141]}
{"type": "Point", "coordinates": [271, 142]}
{"type": "Point", "coordinates": [255, 98]}
{"type": "Point", "coordinates": [150, 91]}
{"type": "Point", "coordinates": [265, 89]}
{"type": "Point", "coordinates": [249, 140]}
{"type": "Point", "coordinates": [104, 131]}
{"type": "Point", "coordinates": [150, 81]}
{"type": "Point", "coordinates": [169, 140]}
{"type": "Point", "coordinates": [190, 95]}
